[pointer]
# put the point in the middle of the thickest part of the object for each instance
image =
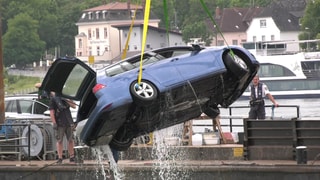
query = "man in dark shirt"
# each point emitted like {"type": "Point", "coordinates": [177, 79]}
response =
{"type": "Point", "coordinates": [62, 124]}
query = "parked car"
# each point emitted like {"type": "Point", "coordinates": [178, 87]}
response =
{"type": "Point", "coordinates": [178, 84]}
{"type": "Point", "coordinates": [25, 106]}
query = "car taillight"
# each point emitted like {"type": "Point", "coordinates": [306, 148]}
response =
{"type": "Point", "coordinates": [97, 87]}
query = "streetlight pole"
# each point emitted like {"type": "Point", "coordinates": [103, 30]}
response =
{"type": "Point", "coordinates": [307, 30]}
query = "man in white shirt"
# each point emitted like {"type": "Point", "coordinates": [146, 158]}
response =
{"type": "Point", "coordinates": [258, 92]}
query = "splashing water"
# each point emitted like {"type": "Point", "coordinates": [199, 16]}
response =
{"type": "Point", "coordinates": [167, 154]}
{"type": "Point", "coordinates": [99, 152]}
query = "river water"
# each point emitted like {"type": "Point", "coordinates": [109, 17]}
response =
{"type": "Point", "coordinates": [308, 107]}
{"type": "Point", "coordinates": [288, 109]}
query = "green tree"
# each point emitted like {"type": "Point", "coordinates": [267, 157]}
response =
{"type": "Point", "coordinates": [310, 23]}
{"type": "Point", "coordinates": [21, 43]}
{"type": "Point", "coordinates": [197, 30]}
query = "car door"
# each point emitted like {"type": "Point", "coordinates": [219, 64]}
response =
{"type": "Point", "coordinates": [197, 65]}
{"type": "Point", "coordinates": [165, 71]}
{"type": "Point", "coordinates": [69, 77]}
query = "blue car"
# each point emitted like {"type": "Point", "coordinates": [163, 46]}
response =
{"type": "Point", "coordinates": [178, 84]}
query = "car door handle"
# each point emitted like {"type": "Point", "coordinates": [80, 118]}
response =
{"type": "Point", "coordinates": [141, 69]}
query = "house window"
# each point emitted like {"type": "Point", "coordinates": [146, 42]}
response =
{"type": "Point", "coordinates": [97, 33]}
{"type": "Point", "coordinates": [104, 14]}
{"type": "Point", "coordinates": [254, 38]}
{"type": "Point", "coordinates": [263, 38]}
{"type": "Point", "coordinates": [272, 38]}
{"type": "Point", "coordinates": [80, 43]}
{"type": "Point", "coordinates": [106, 49]}
{"type": "Point", "coordinates": [90, 51]}
{"type": "Point", "coordinates": [135, 47]}
{"type": "Point", "coordinates": [89, 33]}
{"type": "Point", "coordinates": [105, 33]}
{"type": "Point", "coordinates": [90, 15]}
{"type": "Point", "coordinates": [263, 23]}
{"type": "Point", "coordinates": [148, 46]}
{"type": "Point", "coordinates": [132, 13]}
{"type": "Point", "coordinates": [220, 43]}
{"type": "Point", "coordinates": [234, 42]}
{"type": "Point", "coordinates": [97, 14]}
{"type": "Point", "coordinates": [98, 50]}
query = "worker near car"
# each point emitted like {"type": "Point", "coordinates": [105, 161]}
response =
{"type": "Point", "coordinates": [63, 124]}
{"type": "Point", "coordinates": [258, 92]}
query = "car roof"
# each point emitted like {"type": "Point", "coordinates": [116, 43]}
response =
{"type": "Point", "coordinates": [21, 96]}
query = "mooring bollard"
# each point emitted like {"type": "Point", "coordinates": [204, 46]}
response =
{"type": "Point", "coordinates": [80, 153]}
{"type": "Point", "coordinates": [301, 154]}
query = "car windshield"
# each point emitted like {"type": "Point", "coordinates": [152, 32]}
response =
{"type": "Point", "coordinates": [132, 64]}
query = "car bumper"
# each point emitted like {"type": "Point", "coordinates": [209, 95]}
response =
{"type": "Point", "coordinates": [99, 141]}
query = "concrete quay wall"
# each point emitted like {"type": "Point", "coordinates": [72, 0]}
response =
{"type": "Point", "coordinates": [147, 170]}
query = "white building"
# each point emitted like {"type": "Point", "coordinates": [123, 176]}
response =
{"type": "Point", "coordinates": [278, 22]}
{"type": "Point", "coordinates": [156, 38]}
{"type": "Point", "coordinates": [97, 37]}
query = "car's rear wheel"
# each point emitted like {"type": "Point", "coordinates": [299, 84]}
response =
{"type": "Point", "coordinates": [143, 93]}
{"type": "Point", "coordinates": [236, 65]}
{"type": "Point", "coordinates": [122, 140]}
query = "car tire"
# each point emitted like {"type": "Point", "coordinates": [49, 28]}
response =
{"type": "Point", "coordinates": [212, 112]}
{"type": "Point", "coordinates": [237, 66]}
{"type": "Point", "coordinates": [121, 145]}
{"type": "Point", "coordinates": [121, 140]}
{"type": "Point", "coordinates": [144, 93]}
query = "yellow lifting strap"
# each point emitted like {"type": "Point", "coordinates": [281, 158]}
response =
{"type": "Point", "coordinates": [124, 54]}
{"type": "Point", "coordinates": [144, 37]}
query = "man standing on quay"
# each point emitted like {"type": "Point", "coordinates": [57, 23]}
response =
{"type": "Point", "coordinates": [63, 124]}
{"type": "Point", "coordinates": [258, 92]}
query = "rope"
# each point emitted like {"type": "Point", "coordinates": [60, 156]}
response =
{"type": "Point", "coordinates": [217, 27]}
{"type": "Point", "coordinates": [34, 172]}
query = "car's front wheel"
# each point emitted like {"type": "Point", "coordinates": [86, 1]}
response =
{"type": "Point", "coordinates": [235, 64]}
{"type": "Point", "coordinates": [143, 93]}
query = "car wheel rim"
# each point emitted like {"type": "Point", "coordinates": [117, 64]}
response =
{"type": "Point", "coordinates": [241, 63]}
{"type": "Point", "coordinates": [144, 90]}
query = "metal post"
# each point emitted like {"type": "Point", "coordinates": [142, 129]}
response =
{"type": "Point", "coordinates": [2, 113]}
{"type": "Point", "coordinates": [230, 120]}
{"type": "Point", "coordinates": [29, 138]}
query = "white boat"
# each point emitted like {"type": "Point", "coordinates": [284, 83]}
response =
{"type": "Point", "coordinates": [288, 74]}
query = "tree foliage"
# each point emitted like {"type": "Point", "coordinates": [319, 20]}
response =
{"type": "Point", "coordinates": [22, 43]}
{"type": "Point", "coordinates": [52, 23]}
{"type": "Point", "coordinates": [310, 23]}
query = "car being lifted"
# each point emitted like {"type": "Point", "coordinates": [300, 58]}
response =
{"type": "Point", "coordinates": [177, 84]}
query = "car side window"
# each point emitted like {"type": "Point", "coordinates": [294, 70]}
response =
{"type": "Point", "coordinates": [176, 52]}
{"type": "Point", "coordinates": [39, 108]}
{"type": "Point", "coordinates": [75, 80]}
{"type": "Point", "coordinates": [26, 106]}
{"type": "Point", "coordinates": [11, 106]}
